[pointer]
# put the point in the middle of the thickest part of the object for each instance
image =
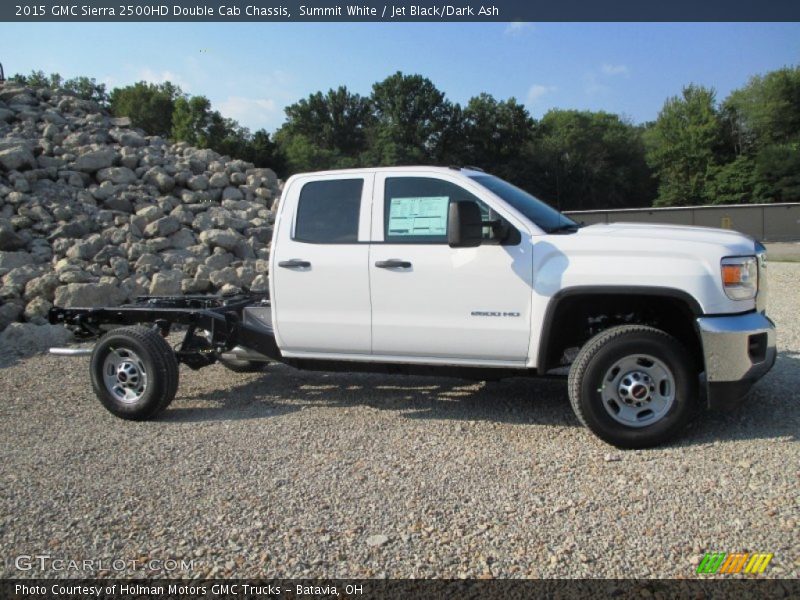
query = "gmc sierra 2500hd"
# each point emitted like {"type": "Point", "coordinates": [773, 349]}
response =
{"type": "Point", "coordinates": [457, 272]}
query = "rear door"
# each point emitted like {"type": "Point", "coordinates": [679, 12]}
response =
{"type": "Point", "coordinates": [319, 269]}
{"type": "Point", "coordinates": [431, 301]}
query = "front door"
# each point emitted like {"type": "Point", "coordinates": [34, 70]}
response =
{"type": "Point", "coordinates": [430, 300]}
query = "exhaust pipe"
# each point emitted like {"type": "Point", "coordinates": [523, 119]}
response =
{"type": "Point", "coordinates": [239, 353]}
{"type": "Point", "coordinates": [71, 351]}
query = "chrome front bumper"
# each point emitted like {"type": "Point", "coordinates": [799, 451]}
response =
{"type": "Point", "coordinates": [737, 350]}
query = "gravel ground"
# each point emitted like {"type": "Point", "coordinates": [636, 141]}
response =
{"type": "Point", "coordinates": [292, 474]}
{"type": "Point", "coordinates": [784, 251]}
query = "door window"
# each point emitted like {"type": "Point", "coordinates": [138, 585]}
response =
{"type": "Point", "coordinates": [415, 210]}
{"type": "Point", "coordinates": [328, 212]}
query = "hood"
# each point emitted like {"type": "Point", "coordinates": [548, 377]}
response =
{"type": "Point", "coordinates": [734, 241]}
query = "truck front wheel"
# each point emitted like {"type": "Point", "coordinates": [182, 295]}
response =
{"type": "Point", "coordinates": [134, 373]}
{"type": "Point", "coordinates": [633, 386]}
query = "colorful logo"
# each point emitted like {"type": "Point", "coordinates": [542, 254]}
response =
{"type": "Point", "coordinates": [735, 562]}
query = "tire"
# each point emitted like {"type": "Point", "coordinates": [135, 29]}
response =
{"type": "Point", "coordinates": [633, 386]}
{"type": "Point", "coordinates": [134, 373]}
{"type": "Point", "coordinates": [243, 366]}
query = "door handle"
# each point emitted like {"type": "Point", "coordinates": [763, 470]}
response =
{"type": "Point", "coordinates": [294, 263]}
{"type": "Point", "coordinates": [393, 263]}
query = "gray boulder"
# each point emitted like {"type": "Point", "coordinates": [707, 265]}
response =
{"type": "Point", "coordinates": [162, 227]}
{"type": "Point", "coordinates": [88, 294]}
{"type": "Point", "coordinates": [17, 158]}
{"type": "Point", "coordinates": [25, 339]}
{"type": "Point", "coordinates": [183, 238]}
{"type": "Point", "coordinates": [43, 287]}
{"type": "Point", "coordinates": [150, 213]}
{"type": "Point", "coordinates": [166, 283]}
{"type": "Point", "coordinates": [117, 175]}
{"type": "Point", "coordinates": [9, 312]}
{"type": "Point", "coordinates": [219, 259]}
{"type": "Point", "coordinates": [12, 260]}
{"type": "Point", "coordinates": [224, 276]}
{"type": "Point", "coordinates": [118, 203]}
{"type": "Point", "coordinates": [125, 137]}
{"type": "Point", "coordinates": [260, 284]}
{"type": "Point", "coordinates": [36, 311]}
{"type": "Point", "coordinates": [218, 180]}
{"type": "Point", "coordinates": [222, 238]}
{"type": "Point", "coordinates": [148, 264]}
{"type": "Point", "coordinates": [159, 178]}
{"type": "Point", "coordinates": [232, 193]}
{"type": "Point", "coordinates": [198, 183]}
{"type": "Point", "coordinates": [86, 249]}
{"type": "Point", "coordinates": [92, 162]}
{"type": "Point", "coordinates": [15, 280]}
{"type": "Point", "coordinates": [53, 117]}
{"type": "Point", "coordinates": [10, 239]}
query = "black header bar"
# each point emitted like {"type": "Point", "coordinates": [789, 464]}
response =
{"type": "Point", "coordinates": [391, 589]}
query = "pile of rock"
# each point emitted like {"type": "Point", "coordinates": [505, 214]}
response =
{"type": "Point", "coordinates": [95, 213]}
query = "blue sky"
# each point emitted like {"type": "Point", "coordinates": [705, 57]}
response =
{"type": "Point", "coordinates": [252, 71]}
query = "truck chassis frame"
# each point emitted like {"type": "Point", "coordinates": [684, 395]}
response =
{"type": "Point", "coordinates": [216, 327]}
{"type": "Point", "coordinates": [219, 316]}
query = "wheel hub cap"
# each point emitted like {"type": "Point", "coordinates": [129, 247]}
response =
{"type": "Point", "coordinates": [635, 388]}
{"type": "Point", "coordinates": [124, 375]}
{"type": "Point", "coordinates": [638, 390]}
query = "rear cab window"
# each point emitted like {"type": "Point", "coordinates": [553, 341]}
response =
{"type": "Point", "coordinates": [329, 211]}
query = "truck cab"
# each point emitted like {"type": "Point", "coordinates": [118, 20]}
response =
{"type": "Point", "coordinates": [445, 270]}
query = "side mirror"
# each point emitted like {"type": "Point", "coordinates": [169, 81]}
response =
{"type": "Point", "coordinates": [464, 225]}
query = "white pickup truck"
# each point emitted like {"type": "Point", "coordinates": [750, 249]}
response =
{"type": "Point", "coordinates": [457, 272]}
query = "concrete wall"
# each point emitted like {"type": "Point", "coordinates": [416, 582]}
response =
{"type": "Point", "coordinates": [766, 222]}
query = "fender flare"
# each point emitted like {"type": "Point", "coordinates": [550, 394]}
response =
{"type": "Point", "coordinates": [588, 290]}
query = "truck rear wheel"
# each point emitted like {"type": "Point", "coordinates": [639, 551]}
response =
{"type": "Point", "coordinates": [134, 373]}
{"type": "Point", "coordinates": [633, 386]}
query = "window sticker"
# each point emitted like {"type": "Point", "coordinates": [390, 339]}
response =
{"type": "Point", "coordinates": [425, 216]}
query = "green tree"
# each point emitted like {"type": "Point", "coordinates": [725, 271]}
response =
{"type": "Point", "coordinates": [684, 146]}
{"type": "Point", "coordinates": [85, 88]}
{"type": "Point", "coordinates": [735, 182]}
{"type": "Point", "coordinates": [150, 106]}
{"type": "Point", "coordinates": [262, 151]}
{"type": "Point", "coordinates": [38, 79]}
{"type": "Point", "coordinates": [766, 110]}
{"type": "Point", "coordinates": [335, 122]}
{"type": "Point", "coordinates": [778, 173]}
{"type": "Point", "coordinates": [763, 121]}
{"type": "Point", "coordinates": [415, 123]}
{"type": "Point", "coordinates": [190, 118]}
{"type": "Point", "coordinates": [586, 160]}
{"type": "Point", "coordinates": [495, 134]}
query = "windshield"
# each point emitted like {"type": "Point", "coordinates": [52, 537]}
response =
{"type": "Point", "coordinates": [543, 215]}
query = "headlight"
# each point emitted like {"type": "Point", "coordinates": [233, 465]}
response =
{"type": "Point", "coordinates": [740, 277]}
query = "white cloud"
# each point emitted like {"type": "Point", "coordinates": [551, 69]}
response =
{"type": "Point", "coordinates": [536, 91]}
{"type": "Point", "coordinates": [254, 113]}
{"type": "Point", "coordinates": [593, 87]}
{"type": "Point", "coordinates": [609, 69]}
{"type": "Point", "coordinates": [517, 28]}
{"type": "Point", "coordinates": [149, 75]}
